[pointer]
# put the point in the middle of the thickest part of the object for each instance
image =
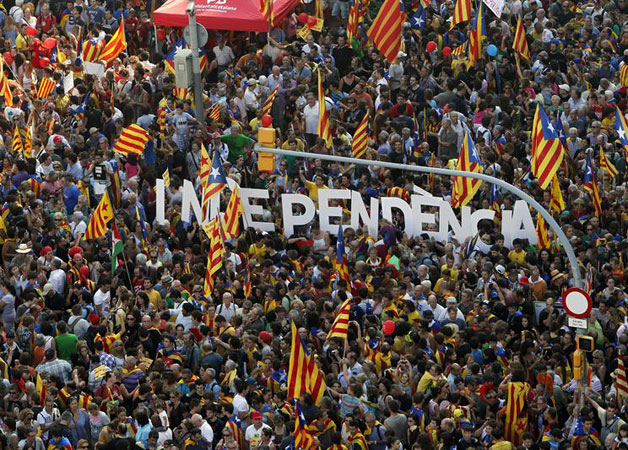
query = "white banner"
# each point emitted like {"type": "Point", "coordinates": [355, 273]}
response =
{"type": "Point", "coordinates": [496, 6]}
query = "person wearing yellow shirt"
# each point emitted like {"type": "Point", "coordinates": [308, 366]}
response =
{"type": "Point", "coordinates": [153, 295]}
{"type": "Point", "coordinates": [433, 373]}
{"type": "Point", "coordinates": [446, 277]}
{"type": "Point", "coordinates": [258, 250]}
{"type": "Point", "coordinates": [313, 187]}
{"type": "Point", "coordinates": [454, 273]}
{"type": "Point", "coordinates": [517, 255]}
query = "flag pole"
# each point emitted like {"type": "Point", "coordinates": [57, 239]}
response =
{"type": "Point", "coordinates": [126, 269]}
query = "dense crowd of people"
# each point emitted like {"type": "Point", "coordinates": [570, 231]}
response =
{"type": "Point", "coordinates": [102, 354]}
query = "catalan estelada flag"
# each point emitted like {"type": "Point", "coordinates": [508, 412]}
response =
{"type": "Point", "coordinates": [476, 35]}
{"type": "Point", "coordinates": [323, 115]}
{"type": "Point", "coordinates": [204, 174]}
{"type": "Point", "coordinates": [621, 126]}
{"type": "Point", "coordinates": [92, 49]}
{"type": "Point", "coordinates": [590, 185]}
{"type": "Point", "coordinates": [386, 29]}
{"type": "Point", "coordinates": [216, 179]}
{"type": "Point", "coordinates": [605, 164]}
{"type": "Point", "coordinates": [97, 226]}
{"type": "Point", "coordinates": [268, 104]}
{"type": "Point", "coordinates": [340, 327]}
{"type": "Point", "coordinates": [214, 256]}
{"type": "Point", "coordinates": [234, 211]}
{"type": "Point", "coordinates": [520, 43]}
{"type": "Point", "coordinates": [302, 437]}
{"type": "Point", "coordinates": [303, 373]}
{"type": "Point", "coordinates": [494, 203]}
{"type": "Point", "coordinates": [557, 204]}
{"type": "Point", "coordinates": [361, 137]}
{"type": "Point", "coordinates": [341, 259]}
{"type": "Point", "coordinates": [462, 12]}
{"type": "Point", "coordinates": [132, 139]}
{"type": "Point", "coordinates": [115, 46]}
{"type": "Point", "coordinates": [542, 233]}
{"type": "Point", "coordinates": [547, 152]}
{"type": "Point", "coordinates": [516, 422]}
{"type": "Point", "coordinates": [46, 86]}
{"type": "Point", "coordinates": [465, 188]}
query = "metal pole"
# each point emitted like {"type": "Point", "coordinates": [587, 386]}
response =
{"type": "Point", "coordinates": [196, 65]}
{"type": "Point", "coordinates": [573, 261]}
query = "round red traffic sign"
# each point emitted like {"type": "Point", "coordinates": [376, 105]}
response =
{"type": "Point", "coordinates": [577, 303]}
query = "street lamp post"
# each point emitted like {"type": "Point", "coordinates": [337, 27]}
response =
{"type": "Point", "coordinates": [196, 66]}
{"type": "Point", "coordinates": [573, 261]}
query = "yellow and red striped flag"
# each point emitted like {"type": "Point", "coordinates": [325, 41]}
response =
{"type": "Point", "coordinates": [354, 20]}
{"type": "Point", "coordinates": [557, 204]}
{"type": "Point", "coordinates": [27, 141]}
{"type": "Point", "coordinates": [18, 147]}
{"type": "Point", "coordinates": [303, 373]}
{"type": "Point", "coordinates": [41, 390]}
{"type": "Point", "coordinates": [516, 422]}
{"type": "Point", "coordinates": [623, 74]}
{"type": "Point", "coordinates": [621, 381]}
{"type": "Point", "coordinates": [132, 139]}
{"type": "Point", "coordinates": [97, 226]}
{"type": "Point", "coordinates": [605, 164]}
{"type": "Point", "coordinates": [266, 8]}
{"type": "Point", "coordinates": [180, 93]}
{"type": "Point", "coordinates": [542, 233]}
{"type": "Point", "coordinates": [431, 177]}
{"type": "Point", "coordinates": [323, 115]}
{"type": "Point", "coordinates": [268, 104]}
{"type": "Point", "coordinates": [386, 29]}
{"type": "Point", "coordinates": [166, 177]}
{"type": "Point", "coordinates": [233, 213]}
{"type": "Point", "coordinates": [5, 89]}
{"type": "Point", "coordinates": [520, 43]}
{"type": "Point", "coordinates": [462, 12]}
{"type": "Point", "coordinates": [361, 137]}
{"type": "Point", "coordinates": [214, 113]}
{"type": "Point", "coordinates": [46, 86]}
{"type": "Point", "coordinates": [50, 126]}
{"type": "Point", "coordinates": [161, 120]}
{"type": "Point", "coordinates": [340, 327]}
{"type": "Point", "coordinates": [115, 46]}
{"type": "Point", "coordinates": [465, 188]}
{"type": "Point", "coordinates": [476, 36]}
{"type": "Point", "coordinates": [204, 173]}
{"type": "Point", "coordinates": [547, 152]}
{"type": "Point", "coordinates": [214, 256]}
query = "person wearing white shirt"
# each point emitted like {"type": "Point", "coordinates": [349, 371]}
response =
{"type": "Point", "coordinates": [227, 308]}
{"type": "Point", "coordinates": [78, 226]}
{"type": "Point", "coordinates": [57, 277]}
{"type": "Point", "coordinates": [224, 55]}
{"type": "Point", "coordinates": [250, 96]}
{"type": "Point", "coordinates": [307, 48]}
{"type": "Point", "coordinates": [206, 430]}
{"type": "Point", "coordinates": [102, 298]}
{"type": "Point", "coordinates": [253, 433]}
{"type": "Point", "coordinates": [440, 313]}
{"type": "Point", "coordinates": [240, 405]}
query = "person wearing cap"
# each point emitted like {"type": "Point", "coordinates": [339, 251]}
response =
{"type": "Point", "coordinates": [253, 433]}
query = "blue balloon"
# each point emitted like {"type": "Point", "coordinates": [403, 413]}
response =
{"type": "Point", "coordinates": [491, 50]}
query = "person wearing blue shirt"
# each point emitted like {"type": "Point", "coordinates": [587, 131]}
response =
{"type": "Point", "coordinates": [71, 193]}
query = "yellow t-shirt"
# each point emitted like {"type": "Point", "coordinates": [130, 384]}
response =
{"type": "Point", "coordinates": [455, 273]}
{"type": "Point", "coordinates": [154, 297]}
{"type": "Point", "coordinates": [312, 188]}
{"type": "Point", "coordinates": [257, 252]}
{"type": "Point", "coordinates": [518, 258]}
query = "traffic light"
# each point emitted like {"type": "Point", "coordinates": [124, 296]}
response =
{"type": "Point", "coordinates": [266, 139]}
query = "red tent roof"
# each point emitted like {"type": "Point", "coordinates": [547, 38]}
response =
{"type": "Point", "coordinates": [236, 15]}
